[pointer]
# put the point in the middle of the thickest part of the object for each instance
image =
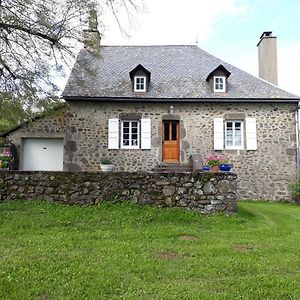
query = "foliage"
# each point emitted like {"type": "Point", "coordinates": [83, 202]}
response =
{"type": "Point", "coordinates": [39, 40]}
{"type": "Point", "coordinates": [295, 188]}
{"type": "Point", "coordinates": [105, 161]}
{"type": "Point", "coordinates": [122, 251]}
{"type": "Point", "coordinates": [6, 154]}
{"type": "Point", "coordinates": [215, 160]}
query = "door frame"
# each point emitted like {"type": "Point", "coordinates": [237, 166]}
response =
{"type": "Point", "coordinates": [177, 139]}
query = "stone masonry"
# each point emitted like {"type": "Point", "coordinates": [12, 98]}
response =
{"type": "Point", "coordinates": [202, 192]}
{"type": "Point", "coordinates": [263, 174]}
{"type": "Point", "coordinates": [50, 125]}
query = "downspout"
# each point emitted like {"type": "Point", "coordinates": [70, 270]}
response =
{"type": "Point", "coordinates": [297, 118]}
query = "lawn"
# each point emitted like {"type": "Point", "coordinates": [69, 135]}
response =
{"type": "Point", "coordinates": [51, 251]}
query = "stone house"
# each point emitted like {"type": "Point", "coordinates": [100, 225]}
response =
{"type": "Point", "coordinates": [144, 107]}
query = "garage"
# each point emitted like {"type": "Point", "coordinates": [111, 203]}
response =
{"type": "Point", "coordinates": [39, 154]}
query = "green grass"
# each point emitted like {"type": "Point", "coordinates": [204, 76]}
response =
{"type": "Point", "coordinates": [51, 251]}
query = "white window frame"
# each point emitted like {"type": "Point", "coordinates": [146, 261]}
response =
{"type": "Point", "coordinates": [216, 85]}
{"type": "Point", "coordinates": [234, 147]}
{"type": "Point", "coordinates": [130, 133]}
{"type": "Point", "coordinates": [136, 89]}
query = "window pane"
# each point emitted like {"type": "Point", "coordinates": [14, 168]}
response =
{"type": "Point", "coordinates": [134, 130]}
{"type": "Point", "coordinates": [125, 142]}
{"type": "Point", "coordinates": [134, 136]}
{"type": "Point", "coordinates": [125, 124]}
{"type": "Point", "coordinates": [134, 124]}
{"type": "Point", "coordinates": [229, 134]}
{"type": "Point", "coordinates": [134, 142]}
{"type": "Point", "coordinates": [167, 131]}
{"type": "Point", "coordinates": [174, 131]}
{"type": "Point", "coordinates": [126, 136]}
{"type": "Point", "coordinates": [126, 129]}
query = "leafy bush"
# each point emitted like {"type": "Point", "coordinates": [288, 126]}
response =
{"type": "Point", "coordinates": [295, 189]}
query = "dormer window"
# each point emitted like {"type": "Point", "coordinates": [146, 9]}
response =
{"type": "Point", "coordinates": [218, 79]}
{"type": "Point", "coordinates": [140, 84]}
{"type": "Point", "coordinates": [140, 78]}
{"type": "Point", "coordinates": [219, 84]}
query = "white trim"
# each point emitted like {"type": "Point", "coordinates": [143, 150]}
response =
{"type": "Point", "coordinates": [130, 134]}
{"type": "Point", "coordinates": [113, 133]}
{"type": "Point", "coordinates": [234, 147]}
{"type": "Point", "coordinates": [218, 134]}
{"type": "Point", "coordinates": [135, 89]}
{"type": "Point", "coordinates": [218, 90]}
{"type": "Point", "coordinates": [251, 137]}
{"type": "Point", "coordinates": [145, 133]}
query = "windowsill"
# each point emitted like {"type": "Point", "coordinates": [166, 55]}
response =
{"type": "Point", "coordinates": [130, 148]}
{"type": "Point", "coordinates": [220, 93]}
{"type": "Point", "coordinates": [139, 93]}
{"type": "Point", "coordinates": [240, 148]}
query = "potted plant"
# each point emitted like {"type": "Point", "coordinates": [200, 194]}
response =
{"type": "Point", "coordinates": [215, 163]}
{"type": "Point", "coordinates": [5, 159]}
{"type": "Point", "coordinates": [106, 165]}
{"type": "Point", "coordinates": [224, 165]}
{"type": "Point", "coordinates": [205, 168]}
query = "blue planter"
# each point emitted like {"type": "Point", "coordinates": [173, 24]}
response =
{"type": "Point", "coordinates": [205, 168]}
{"type": "Point", "coordinates": [224, 167]}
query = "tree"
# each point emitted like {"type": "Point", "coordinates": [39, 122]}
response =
{"type": "Point", "coordinates": [38, 40]}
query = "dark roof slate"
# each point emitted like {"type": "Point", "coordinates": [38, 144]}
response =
{"type": "Point", "coordinates": [176, 72]}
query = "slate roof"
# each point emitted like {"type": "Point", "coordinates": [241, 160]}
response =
{"type": "Point", "coordinates": [178, 72]}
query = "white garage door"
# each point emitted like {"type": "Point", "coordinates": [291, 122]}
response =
{"type": "Point", "coordinates": [42, 155]}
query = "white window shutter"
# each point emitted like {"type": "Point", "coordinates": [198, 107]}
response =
{"type": "Point", "coordinates": [113, 134]}
{"type": "Point", "coordinates": [251, 134]}
{"type": "Point", "coordinates": [145, 133]}
{"type": "Point", "coordinates": [218, 134]}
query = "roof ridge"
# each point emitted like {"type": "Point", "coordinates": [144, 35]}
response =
{"type": "Point", "coordinates": [144, 46]}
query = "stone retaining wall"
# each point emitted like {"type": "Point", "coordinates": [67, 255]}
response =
{"type": "Point", "coordinates": [198, 191]}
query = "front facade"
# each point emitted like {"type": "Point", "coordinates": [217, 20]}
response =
{"type": "Point", "coordinates": [143, 107]}
{"type": "Point", "coordinates": [263, 173]}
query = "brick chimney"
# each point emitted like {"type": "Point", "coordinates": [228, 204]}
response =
{"type": "Point", "coordinates": [267, 57]}
{"type": "Point", "coordinates": [91, 36]}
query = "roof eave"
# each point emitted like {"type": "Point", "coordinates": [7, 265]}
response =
{"type": "Point", "coordinates": [186, 100]}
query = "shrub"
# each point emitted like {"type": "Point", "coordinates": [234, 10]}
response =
{"type": "Point", "coordinates": [295, 189]}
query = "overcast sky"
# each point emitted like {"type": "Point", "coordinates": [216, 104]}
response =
{"type": "Point", "coordinates": [228, 29]}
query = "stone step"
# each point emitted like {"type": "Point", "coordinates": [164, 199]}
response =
{"type": "Point", "coordinates": [173, 168]}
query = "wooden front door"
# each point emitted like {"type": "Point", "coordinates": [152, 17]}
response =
{"type": "Point", "coordinates": [170, 141]}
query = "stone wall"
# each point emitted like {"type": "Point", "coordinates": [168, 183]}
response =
{"type": "Point", "coordinates": [263, 174]}
{"type": "Point", "coordinates": [198, 191]}
{"type": "Point", "coordinates": [50, 125]}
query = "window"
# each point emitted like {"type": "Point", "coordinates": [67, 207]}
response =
{"type": "Point", "coordinates": [130, 134]}
{"type": "Point", "coordinates": [234, 135]}
{"type": "Point", "coordinates": [140, 84]}
{"type": "Point", "coordinates": [219, 84]}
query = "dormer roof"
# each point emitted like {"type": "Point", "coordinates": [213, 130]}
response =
{"type": "Point", "coordinates": [218, 69]}
{"type": "Point", "coordinates": [139, 67]}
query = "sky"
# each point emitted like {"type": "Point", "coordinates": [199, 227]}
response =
{"type": "Point", "coordinates": [228, 29]}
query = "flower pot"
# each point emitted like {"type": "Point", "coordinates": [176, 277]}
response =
{"type": "Point", "coordinates": [205, 168]}
{"type": "Point", "coordinates": [214, 169]}
{"type": "Point", "coordinates": [225, 167]}
{"type": "Point", "coordinates": [107, 167]}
